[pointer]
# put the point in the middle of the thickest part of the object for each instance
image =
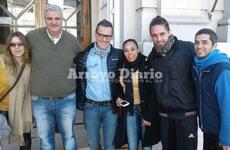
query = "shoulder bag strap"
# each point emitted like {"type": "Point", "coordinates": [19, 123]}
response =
{"type": "Point", "coordinates": [16, 81]}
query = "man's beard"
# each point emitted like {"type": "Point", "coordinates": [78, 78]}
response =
{"type": "Point", "coordinates": [163, 49]}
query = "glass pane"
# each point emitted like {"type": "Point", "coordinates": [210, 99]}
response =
{"type": "Point", "coordinates": [19, 12]}
{"type": "Point", "coordinates": [72, 21]}
{"type": "Point", "coordinates": [4, 32]}
{"type": "Point", "coordinates": [72, 31]}
{"type": "Point", "coordinates": [25, 30]}
{"type": "Point", "coordinates": [16, 15]}
{"type": "Point", "coordinates": [27, 18]}
{"type": "Point", "coordinates": [16, 6]}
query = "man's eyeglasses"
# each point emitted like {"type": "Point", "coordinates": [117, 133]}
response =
{"type": "Point", "coordinates": [16, 44]}
{"type": "Point", "coordinates": [102, 36]}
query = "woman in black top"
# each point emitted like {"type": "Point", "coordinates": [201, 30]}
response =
{"type": "Point", "coordinates": [134, 78]}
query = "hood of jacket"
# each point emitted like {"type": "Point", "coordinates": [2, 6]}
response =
{"type": "Point", "coordinates": [213, 58]}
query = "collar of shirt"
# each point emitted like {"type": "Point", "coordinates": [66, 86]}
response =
{"type": "Point", "coordinates": [55, 40]}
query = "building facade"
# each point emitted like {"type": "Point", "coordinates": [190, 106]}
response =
{"type": "Point", "coordinates": [131, 18]}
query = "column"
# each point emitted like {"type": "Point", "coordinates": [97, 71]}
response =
{"type": "Point", "coordinates": [223, 29]}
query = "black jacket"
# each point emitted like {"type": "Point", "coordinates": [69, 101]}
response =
{"type": "Point", "coordinates": [80, 61]}
{"type": "Point", "coordinates": [174, 86]}
{"type": "Point", "coordinates": [147, 96]}
{"type": "Point", "coordinates": [145, 88]}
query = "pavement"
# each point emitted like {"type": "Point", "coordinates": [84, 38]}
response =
{"type": "Point", "coordinates": [79, 132]}
{"type": "Point", "coordinates": [81, 138]}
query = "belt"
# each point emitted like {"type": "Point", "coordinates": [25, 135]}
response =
{"type": "Point", "coordinates": [98, 103]}
{"type": "Point", "coordinates": [189, 113]}
{"type": "Point", "coordinates": [53, 98]}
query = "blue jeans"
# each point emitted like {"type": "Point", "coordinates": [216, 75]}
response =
{"type": "Point", "coordinates": [48, 113]}
{"type": "Point", "coordinates": [135, 130]}
{"type": "Point", "coordinates": [96, 117]}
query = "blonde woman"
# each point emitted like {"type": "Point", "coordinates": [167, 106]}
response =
{"type": "Point", "coordinates": [16, 106]}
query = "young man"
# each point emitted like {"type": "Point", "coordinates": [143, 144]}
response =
{"type": "Point", "coordinates": [172, 60]}
{"type": "Point", "coordinates": [53, 94]}
{"type": "Point", "coordinates": [212, 73]}
{"type": "Point", "coordinates": [96, 68]}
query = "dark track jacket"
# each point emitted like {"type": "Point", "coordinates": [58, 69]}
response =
{"type": "Point", "coordinates": [173, 82]}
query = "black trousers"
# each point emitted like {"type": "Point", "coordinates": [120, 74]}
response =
{"type": "Point", "coordinates": [211, 142]}
{"type": "Point", "coordinates": [179, 134]}
{"type": "Point", "coordinates": [26, 136]}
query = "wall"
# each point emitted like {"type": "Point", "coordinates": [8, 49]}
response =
{"type": "Point", "coordinates": [131, 18]}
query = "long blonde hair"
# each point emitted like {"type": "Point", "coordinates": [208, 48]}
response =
{"type": "Point", "coordinates": [10, 62]}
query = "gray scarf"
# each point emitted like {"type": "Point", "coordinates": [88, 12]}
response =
{"type": "Point", "coordinates": [101, 52]}
{"type": "Point", "coordinates": [163, 50]}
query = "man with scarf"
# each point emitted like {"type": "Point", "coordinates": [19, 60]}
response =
{"type": "Point", "coordinates": [96, 69]}
{"type": "Point", "coordinates": [172, 60]}
{"type": "Point", "coordinates": [211, 73]}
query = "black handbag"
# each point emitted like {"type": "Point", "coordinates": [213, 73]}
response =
{"type": "Point", "coordinates": [80, 103]}
{"type": "Point", "coordinates": [121, 136]}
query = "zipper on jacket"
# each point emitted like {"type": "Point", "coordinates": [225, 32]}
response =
{"type": "Point", "coordinates": [201, 117]}
{"type": "Point", "coordinates": [200, 104]}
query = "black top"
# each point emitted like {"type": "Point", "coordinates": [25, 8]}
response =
{"type": "Point", "coordinates": [174, 86]}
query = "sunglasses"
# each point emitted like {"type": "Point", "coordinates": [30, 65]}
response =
{"type": "Point", "coordinates": [16, 44]}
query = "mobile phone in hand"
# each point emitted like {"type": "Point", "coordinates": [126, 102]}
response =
{"type": "Point", "coordinates": [124, 103]}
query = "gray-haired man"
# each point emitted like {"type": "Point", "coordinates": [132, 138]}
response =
{"type": "Point", "coordinates": [53, 99]}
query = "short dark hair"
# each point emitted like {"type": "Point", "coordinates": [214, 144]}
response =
{"type": "Point", "coordinates": [212, 35]}
{"type": "Point", "coordinates": [105, 23]}
{"type": "Point", "coordinates": [130, 40]}
{"type": "Point", "coordinates": [158, 20]}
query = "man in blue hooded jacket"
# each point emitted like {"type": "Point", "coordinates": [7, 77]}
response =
{"type": "Point", "coordinates": [211, 73]}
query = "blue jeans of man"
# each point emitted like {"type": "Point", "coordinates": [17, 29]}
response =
{"type": "Point", "coordinates": [96, 117]}
{"type": "Point", "coordinates": [135, 130]}
{"type": "Point", "coordinates": [61, 112]}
